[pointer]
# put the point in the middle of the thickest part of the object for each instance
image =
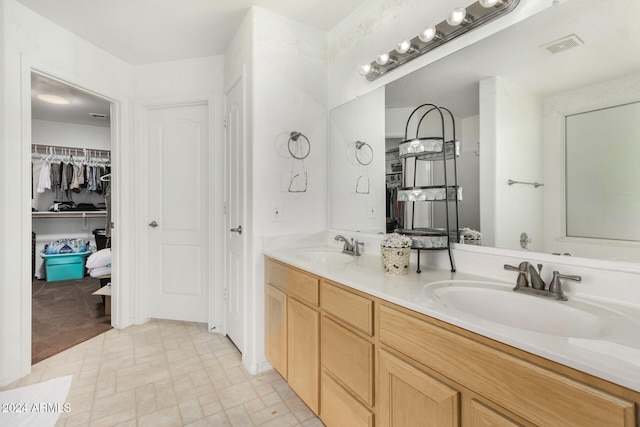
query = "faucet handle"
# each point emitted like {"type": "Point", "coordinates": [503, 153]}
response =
{"type": "Point", "coordinates": [555, 287]}
{"type": "Point", "coordinates": [521, 281]}
{"type": "Point", "coordinates": [356, 247]}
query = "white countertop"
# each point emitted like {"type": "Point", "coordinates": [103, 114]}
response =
{"type": "Point", "coordinates": [614, 357]}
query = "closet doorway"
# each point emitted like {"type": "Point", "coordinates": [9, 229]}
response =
{"type": "Point", "coordinates": [71, 192]}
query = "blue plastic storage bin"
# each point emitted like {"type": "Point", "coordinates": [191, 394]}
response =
{"type": "Point", "coordinates": [64, 266]}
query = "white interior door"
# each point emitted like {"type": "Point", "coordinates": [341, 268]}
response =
{"type": "Point", "coordinates": [178, 221]}
{"type": "Point", "coordinates": [236, 228]}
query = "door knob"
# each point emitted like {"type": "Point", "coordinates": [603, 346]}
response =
{"type": "Point", "coordinates": [153, 224]}
{"type": "Point", "coordinates": [237, 230]}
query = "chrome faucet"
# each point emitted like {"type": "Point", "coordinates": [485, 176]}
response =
{"type": "Point", "coordinates": [530, 282]}
{"type": "Point", "coordinates": [350, 247]}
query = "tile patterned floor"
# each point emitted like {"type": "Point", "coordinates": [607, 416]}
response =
{"type": "Point", "coordinates": [168, 373]}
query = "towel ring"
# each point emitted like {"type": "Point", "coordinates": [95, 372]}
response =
{"type": "Point", "coordinates": [298, 148]}
{"type": "Point", "coordinates": [364, 153]}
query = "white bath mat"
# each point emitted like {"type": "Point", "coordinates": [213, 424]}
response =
{"type": "Point", "coordinates": [37, 405]}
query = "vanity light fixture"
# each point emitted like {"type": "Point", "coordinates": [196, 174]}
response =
{"type": "Point", "coordinates": [459, 21]}
{"type": "Point", "coordinates": [53, 99]}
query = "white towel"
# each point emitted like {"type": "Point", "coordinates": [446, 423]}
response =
{"type": "Point", "coordinates": [100, 271]}
{"type": "Point", "coordinates": [102, 258]}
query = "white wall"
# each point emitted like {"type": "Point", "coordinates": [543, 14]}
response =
{"type": "Point", "coordinates": [511, 135]}
{"type": "Point", "coordinates": [288, 77]}
{"type": "Point", "coordinates": [44, 132]}
{"type": "Point", "coordinates": [616, 92]}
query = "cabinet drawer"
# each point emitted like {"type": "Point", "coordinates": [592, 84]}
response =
{"type": "Point", "coordinates": [275, 274]}
{"type": "Point", "coordinates": [501, 377]}
{"type": "Point", "coordinates": [348, 357]}
{"type": "Point", "coordinates": [349, 307]}
{"type": "Point", "coordinates": [303, 287]}
{"type": "Point", "coordinates": [294, 282]}
{"type": "Point", "coordinates": [339, 408]}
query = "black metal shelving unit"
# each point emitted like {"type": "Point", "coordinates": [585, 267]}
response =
{"type": "Point", "coordinates": [417, 153]}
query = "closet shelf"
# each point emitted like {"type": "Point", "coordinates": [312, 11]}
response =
{"type": "Point", "coordinates": [70, 214]}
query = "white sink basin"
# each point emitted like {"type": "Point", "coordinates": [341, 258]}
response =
{"type": "Point", "coordinates": [498, 303]}
{"type": "Point", "coordinates": [325, 256]}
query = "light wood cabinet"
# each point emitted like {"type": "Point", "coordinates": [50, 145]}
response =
{"type": "Point", "coordinates": [540, 395]}
{"type": "Point", "coordinates": [275, 343]}
{"type": "Point", "coordinates": [292, 329]}
{"type": "Point", "coordinates": [357, 360]}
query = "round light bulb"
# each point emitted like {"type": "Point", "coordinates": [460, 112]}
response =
{"type": "Point", "coordinates": [427, 34]}
{"type": "Point", "coordinates": [488, 3]}
{"type": "Point", "coordinates": [403, 47]}
{"type": "Point", "coordinates": [383, 58]}
{"type": "Point", "coordinates": [456, 16]}
{"type": "Point", "coordinates": [365, 69]}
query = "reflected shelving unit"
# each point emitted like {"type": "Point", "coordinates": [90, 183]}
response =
{"type": "Point", "coordinates": [430, 194]}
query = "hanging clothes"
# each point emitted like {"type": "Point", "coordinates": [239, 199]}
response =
{"type": "Point", "coordinates": [44, 181]}
{"type": "Point", "coordinates": [77, 178]}
{"type": "Point", "coordinates": [55, 178]}
{"type": "Point", "coordinates": [107, 199]}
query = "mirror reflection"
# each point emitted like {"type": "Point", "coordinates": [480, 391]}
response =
{"type": "Point", "coordinates": [510, 94]}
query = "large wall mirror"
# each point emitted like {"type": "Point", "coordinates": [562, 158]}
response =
{"type": "Point", "coordinates": [511, 94]}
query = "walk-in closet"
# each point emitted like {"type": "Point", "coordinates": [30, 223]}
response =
{"type": "Point", "coordinates": [71, 206]}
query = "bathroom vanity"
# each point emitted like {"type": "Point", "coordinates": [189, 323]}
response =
{"type": "Point", "coordinates": [362, 349]}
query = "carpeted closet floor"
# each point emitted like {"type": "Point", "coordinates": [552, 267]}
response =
{"type": "Point", "coordinates": [65, 314]}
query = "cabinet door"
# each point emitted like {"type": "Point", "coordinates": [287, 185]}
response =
{"type": "Point", "coordinates": [275, 344]}
{"type": "Point", "coordinates": [303, 352]}
{"type": "Point", "coordinates": [409, 397]}
{"type": "Point", "coordinates": [339, 408]}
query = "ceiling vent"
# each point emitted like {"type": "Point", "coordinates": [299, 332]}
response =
{"type": "Point", "coordinates": [563, 44]}
{"type": "Point", "coordinates": [98, 116]}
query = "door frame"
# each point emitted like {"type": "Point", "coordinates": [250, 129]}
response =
{"type": "Point", "coordinates": [240, 80]}
{"type": "Point", "coordinates": [215, 202]}
{"type": "Point", "coordinates": [119, 318]}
